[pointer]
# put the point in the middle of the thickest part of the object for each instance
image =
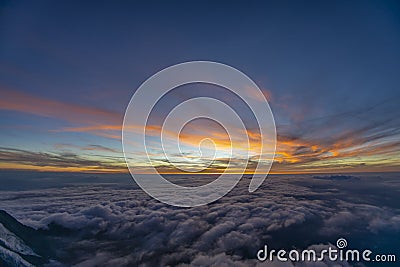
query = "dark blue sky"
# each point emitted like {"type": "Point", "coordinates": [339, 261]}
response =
{"type": "Point", "coordinates": [331, 69]}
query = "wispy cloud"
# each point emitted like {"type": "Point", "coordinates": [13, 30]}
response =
{"type": "Point", "coordinates": [91, 147]}
{"type": "Point", "coordinates": [349, 139]}
{"type": "Point", "coordinates": [360, 139]}
{"type": "Point", "coordinates": [66, 161]}
{"type": "Point", "coordinates": [28, 103]}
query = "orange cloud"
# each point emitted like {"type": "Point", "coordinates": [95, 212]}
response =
{"type": "Point", "coordinates": [253, 92]}
{"type": "Point", "coordinates": [292, 155]}
{"type": "Point", "coordinates": [27, 103]}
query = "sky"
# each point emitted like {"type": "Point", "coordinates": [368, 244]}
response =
{"type": "Point", "coordinates": [329, 70]}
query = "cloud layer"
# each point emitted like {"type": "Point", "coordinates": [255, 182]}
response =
{"type": "Point", "coordinates": [112, 224]}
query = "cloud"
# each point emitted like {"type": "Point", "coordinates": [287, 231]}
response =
{"type": "Point", "coordinates": [100, 148]}
{"type": "Point", "coordinates": [90, 147]}
{"type": "Point", "coordinates": [257, 94]}
{"type": "Point", "coordinates": [337, 141]}
{"type": "Point", "coordinates": [363, 139]}
{"type": "Point", "coordinates": [28, 103]}
{"type": "Point", "coordinates": [122, 224]}
{"type": "Point", "coordinates": [97, 121]}
{"type": "Point", "coordinates": [65, 161]}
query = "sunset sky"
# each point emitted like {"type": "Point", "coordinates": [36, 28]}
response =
{"type": "Point", "coordinates": [330, 71]}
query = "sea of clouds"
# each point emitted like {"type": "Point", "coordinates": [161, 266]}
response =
{"type": "Point", "coordinates": [117, 224]}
